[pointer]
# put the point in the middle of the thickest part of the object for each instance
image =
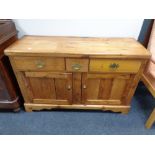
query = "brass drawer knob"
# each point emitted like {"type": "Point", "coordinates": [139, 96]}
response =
{"type": "Point", "coordinates": [76, 67]}
{"type": "Point", "coordinates": [40, 64]}
{"type": "Point", "coordinates": [114, 66]}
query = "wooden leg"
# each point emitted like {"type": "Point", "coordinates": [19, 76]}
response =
{"type": "Point", "coordinates": [125, 111]}
{"type": "Point", "coordinates": [150, 120]}
{"type": "Point", "coordinates": [28, 109]}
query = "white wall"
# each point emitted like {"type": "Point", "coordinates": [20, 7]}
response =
{"type": "Point", "coordinates": [93, 28]}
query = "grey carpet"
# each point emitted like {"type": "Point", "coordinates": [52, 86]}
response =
{"type": "Point", "coordinates": [82, 122]}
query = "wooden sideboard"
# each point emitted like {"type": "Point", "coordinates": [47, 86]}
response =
{"type": "Point", "coordinates": [77, 73]}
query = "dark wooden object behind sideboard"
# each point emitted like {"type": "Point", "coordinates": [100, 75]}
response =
{"type": "Point", "coordinates": [9, 91]}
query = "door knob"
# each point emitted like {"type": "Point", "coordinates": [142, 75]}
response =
{"type": "Point", "coordinates": [84, 86]}
{"type": "Point", "coordinates": [69, 87]}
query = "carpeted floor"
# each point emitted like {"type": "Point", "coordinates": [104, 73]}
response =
{"type": "Point", "coordinates": [82, 122]}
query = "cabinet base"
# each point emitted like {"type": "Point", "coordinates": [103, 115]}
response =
{"type": "Point", "coordinates": [11, 105]}
{"type": "Point", "coordinates": [29, 107]}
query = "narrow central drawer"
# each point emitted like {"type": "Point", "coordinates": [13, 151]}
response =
{"type": "Point", "coordinates": [112, 65]}
{"type": "Point", "coordinates": [39, 63]}
{"type": "Point", "coordinates": [77, 65]}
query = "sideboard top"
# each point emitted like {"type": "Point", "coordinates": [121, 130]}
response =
{"type": "Point", "coordinates": [77, 46]}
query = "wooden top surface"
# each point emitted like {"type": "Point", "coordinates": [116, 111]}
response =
{"type": "Point", "coordinates": [77, 46]}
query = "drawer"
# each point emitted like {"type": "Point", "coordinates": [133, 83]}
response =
{"type": "Point", "coordinates": [39, 63]}
{"type": "Point", "coordinates": [112, 65]}
{"type": "Point", "coordinates": [77, 65]}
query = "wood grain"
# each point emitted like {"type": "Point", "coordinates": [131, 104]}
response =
{"type": "Point", "coordinates": [100, 87]}
{"type": "Point", "coordinates": [105, 88]}
{"type": "Point", "coordinates": [150, 120]}
{"type": "Point", "coordinates": [77, 46]}
{"type": "Point", "coordinates": [50, 101]}
{"type": "Point", "coordinates": [117, 89]}
{"type": "Point", "coordinates": [42, 88]}
{"type": "Point", "coordinates": [108, 76]}
{"type": "Point", "coordinates": [54, 86]}
{"type": "Point", "coordinates": [58, 85]}
{"type": "Point", "coordinates": [47, 74]}
{"type": "Point", "coordinates": [115, 108]}
{"type": "Point", "coordinates": [77, 88]}
{"type": "Point", "coordinates": [102, 65]}
{"type": "Point", "coordinates": [93, 88]}
{"type": "Point", "coordinates": [83, 64]}
{"type": "Point", "coordinates": [32, 64]}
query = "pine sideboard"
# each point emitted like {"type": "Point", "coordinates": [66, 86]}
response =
{"type": "Point", "coordinates": [77, 72]}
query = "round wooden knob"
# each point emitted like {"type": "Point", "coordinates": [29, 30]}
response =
{"type": "Point", "coordinates": [84, 87]}
{"type": "Point", "coordinates": [69, 87]}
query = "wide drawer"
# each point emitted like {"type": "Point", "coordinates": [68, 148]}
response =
{"type": "Point", "coordinates": [112, 65]}
{"type": "Point", "coordinates": [39, 63]}
{"type": "Point", "coordinates": [77, 65]}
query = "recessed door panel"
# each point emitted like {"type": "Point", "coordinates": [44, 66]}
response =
{"type": "Point", "coordinates": [51, 88]}
{"type": "Point", "coordinates": [104, 88]}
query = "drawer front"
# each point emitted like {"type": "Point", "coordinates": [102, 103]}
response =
{"type": "Point", "coordinates": [77, 65]}
{"type": "Point", "coordinates": [112, 65]}
{"type": "Point", "coordinates": [38, 63]}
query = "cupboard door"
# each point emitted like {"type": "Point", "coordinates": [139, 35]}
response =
{"type": "Point", "coordinates": [104, 88]}
{"type": "Point", "coordinates": [49, 88]}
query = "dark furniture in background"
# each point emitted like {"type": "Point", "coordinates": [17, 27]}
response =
{"type": "Point", "coordinates": [145, 32]}
{"type": "Point", "coordinates": [9, 98]}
